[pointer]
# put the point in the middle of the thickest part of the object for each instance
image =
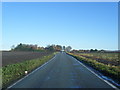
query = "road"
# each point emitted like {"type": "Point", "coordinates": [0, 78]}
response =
{"type": "Point", "coordinates": [63, 71]}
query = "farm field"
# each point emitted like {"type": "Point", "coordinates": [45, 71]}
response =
{"type": "Point", "coordinates": [12, 57]}
{"type": "Point", "coordinates": [106, 58]}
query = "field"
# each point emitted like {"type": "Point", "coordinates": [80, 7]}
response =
{"type": "Point", "coordinates": [11, 57]}
{"type": "Point", "coordinates": [16, 63]}
{"type": "Point", "coordinates": [106, 58]}
{"type": "Point", "coordinates": [106, 63]}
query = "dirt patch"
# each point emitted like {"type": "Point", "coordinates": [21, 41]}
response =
{"type": "Point", "coordinates": [11, 57]}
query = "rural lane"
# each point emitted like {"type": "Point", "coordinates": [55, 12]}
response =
{"type": "Point", "coordinates": [63, 71]}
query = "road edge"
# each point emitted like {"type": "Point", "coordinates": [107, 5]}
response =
{"type": "Point", "coordinates": [110, 84]}
{"type": "Point", "coordinates": [31, 72]}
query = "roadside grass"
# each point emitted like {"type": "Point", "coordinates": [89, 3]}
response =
{"type": "Point", "coordinates": [108, 70]}
{"type": "Point", "coordinates": [111, 58]}
{"type": "Point", "coordinates": [13, 72]}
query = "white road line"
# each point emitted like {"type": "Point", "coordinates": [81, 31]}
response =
{"type": "Point", "coordinates": [32, 72]}
{"type": "Point", "coordinates": [97, 75]}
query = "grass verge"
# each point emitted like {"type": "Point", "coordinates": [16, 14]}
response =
{"type": "Point", "coordinates": [13, 72]}
{"type": "Point", "coordinates": [108, 70]}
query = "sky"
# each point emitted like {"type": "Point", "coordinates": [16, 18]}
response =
{"type": "Point", "coordinates": [82, 25]}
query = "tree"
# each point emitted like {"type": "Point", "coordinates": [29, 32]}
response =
{"type": "Point", "coordinates": [91, 50]}
{"type": "Point", "coordinates": [25, 47]}
{"type": "Point", "coordinates": [95, 50]}
{"type": "Point", "coordinates": [50, 48]}
{"type": "Point", "coordinates": [58, 48]}
{"type": "Point", "coordinates": [68, 48]}
{"type": "Point", "coordinates": [12, 47]}
{"type": "Point", "coordinates": [19, 47]}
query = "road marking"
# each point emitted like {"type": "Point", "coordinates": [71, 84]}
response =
{"type": "Point", "coordinates": [32, 72]}
{"type": "Point", "coordinates": [96, 74]}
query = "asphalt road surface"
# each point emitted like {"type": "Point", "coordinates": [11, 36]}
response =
{"type": "Point", "coordinates": [63, 71]}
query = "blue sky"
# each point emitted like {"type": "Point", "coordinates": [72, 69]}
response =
{"type": "Point", "coordinates": [80, 25]}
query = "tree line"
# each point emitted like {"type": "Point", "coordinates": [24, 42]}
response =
{"type": "Point", "coordinates": [31, 47]}
{"type": "Point", "coordinates": [87, 51]}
